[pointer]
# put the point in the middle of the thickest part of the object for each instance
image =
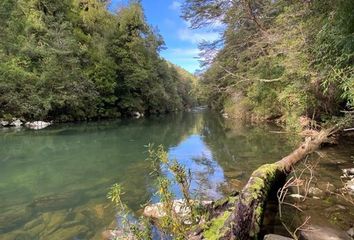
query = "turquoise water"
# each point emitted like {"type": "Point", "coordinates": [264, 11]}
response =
{"type": "Point", "coordinates": [53, 182]}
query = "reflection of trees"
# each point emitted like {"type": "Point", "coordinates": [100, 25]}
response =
{"type": "Point", "coordinates": [240, 148]}
{"type": "Point", "coordinates": [75, 157]}
{"type": "Point", "coordinates": [88, 156]}
{"type": "Point", "coordinates": [202, 176]}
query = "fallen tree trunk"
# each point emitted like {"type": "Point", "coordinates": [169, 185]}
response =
{"type": "Point", "coordinates": [245, 220]}
{"type": "Point", "coordinates": [248, 214]}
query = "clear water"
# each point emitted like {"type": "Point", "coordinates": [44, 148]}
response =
{"type": "Point", "coordinates": [53, 182]}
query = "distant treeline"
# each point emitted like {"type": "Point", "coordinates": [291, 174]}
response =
{"type": "Point", "coordinates": [73, 60]}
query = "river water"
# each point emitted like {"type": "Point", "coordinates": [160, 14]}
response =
{"type": "Point", "coordinates": [53, 182]}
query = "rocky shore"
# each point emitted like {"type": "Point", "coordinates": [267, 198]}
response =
{"type": "Point", "coordinates": [18, 123]}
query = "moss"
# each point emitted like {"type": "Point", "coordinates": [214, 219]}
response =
{"type": "Point", "coordinates": [233, 199]}
{"type": "Point", "coordinates": [266, 170]}
{"type": "Point", "coordinates": [221, 202]}
{"type": "Point", "coordinates": [216, 225]}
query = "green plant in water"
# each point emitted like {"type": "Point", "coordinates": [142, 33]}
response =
{"type": "Point", "coordinates": [140, 230]}
{"type": "Point", "coordinates": [172, 223]}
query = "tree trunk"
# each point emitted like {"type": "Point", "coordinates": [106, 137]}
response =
{"type": "Point", "coordinates": [247, 216]}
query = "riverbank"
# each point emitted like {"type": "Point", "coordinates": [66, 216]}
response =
{"type": "Point", "coordinates": [310, 204]}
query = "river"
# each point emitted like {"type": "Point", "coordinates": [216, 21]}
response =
{"type": "Point", "coordinates": [53, 182]}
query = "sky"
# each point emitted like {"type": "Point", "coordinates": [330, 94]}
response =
{"type": "Point", "coordinates": [181, 41]}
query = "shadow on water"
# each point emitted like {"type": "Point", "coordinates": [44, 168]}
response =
{"type": "Point", "coordinates": [53, 182]}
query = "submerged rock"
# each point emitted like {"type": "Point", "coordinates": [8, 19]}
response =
{"type": "Point", "coordinates": [56, 201]}
{"type": "Point", "coordinates": [38, 125]}
{"type": "Point", "coordinates": [75, 232]}
{"type": "Point", "coordinates": [275, 237]}
{"type": "Point", "coordinates": [323, 233]}
{"type": "Point", "coordinates": [14, 218]}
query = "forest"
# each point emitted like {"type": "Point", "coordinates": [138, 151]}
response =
{"type": "Point", "coordinates": [278, 59]}
{"type": "Point", "coordinates": [75, 60]}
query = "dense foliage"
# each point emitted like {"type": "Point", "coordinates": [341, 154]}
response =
{"type": "Point", "coordinates": [278, 59]}
{"type": "Point", "coordinates": [74, 60]}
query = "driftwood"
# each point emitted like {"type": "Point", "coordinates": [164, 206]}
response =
{"type": "Point", "coordinates": [245, 219]}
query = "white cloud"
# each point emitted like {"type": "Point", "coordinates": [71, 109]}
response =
{"type": "Point", "coordinates": [185, 57]}
{"type": "Point", "coordinates": [186, 34]}
{"type": "Point", "coordinates": [185, 51]}
{"type": "Point", "coordinates": [176, 5]}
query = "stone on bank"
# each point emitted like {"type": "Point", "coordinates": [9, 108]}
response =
{"type": "Point", "coordinates": [36, 125]}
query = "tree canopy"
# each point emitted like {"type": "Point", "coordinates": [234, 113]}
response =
{"type": "Point", "coordinates": [278, 58]}
{"type": "Point", "coordinates": [74, 60]}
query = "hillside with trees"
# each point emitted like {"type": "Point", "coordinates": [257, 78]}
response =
{"type": "Point", "coordinates": [74, 60]}
{"type": "Point", "coordinates": [278, 59]}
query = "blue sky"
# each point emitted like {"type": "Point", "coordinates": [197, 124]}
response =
{"type": "Point", "coordinates": [181, 41]}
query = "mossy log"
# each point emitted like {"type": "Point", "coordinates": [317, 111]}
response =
{"type": "Point", "coordinates": [248, 214]}
{"type": "Point", "coordinates": [245, 221]}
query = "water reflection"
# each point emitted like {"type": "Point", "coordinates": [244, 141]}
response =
{"type": "Point", "coordinates": [207, 175]}
{"type": "Point", "coordinates": [53, 182]}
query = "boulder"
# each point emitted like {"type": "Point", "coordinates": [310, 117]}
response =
{"type": "Point", "coordinates": [179, 207]}
{"type": "Point", "coordinates": [275, 237]}
{"type": "Point", "coordinates": [16, 123]}
{"type": "Point", "coordinates": [38, 125]}
{"type": "Point", "coordinates": [137, 114]}
{"type": "Point", "coordinates": [323, 233]}
{"type": "Point", "coordinates": [4, 123]}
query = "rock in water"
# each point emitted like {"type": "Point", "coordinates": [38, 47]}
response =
{"type": "Point", "coordinates": [137, 114]}
{"type": "Point", "coordinates": [56, 201]}
{"type": "Point", "coordinates": [179, 207]}
{"type": "Point", "coordinates": [16, 123]}
{"type": "Point", "coordinates": [323, 233]}
{"type": "Point", "coordinates": [4, 123]}
{"type": "Point", "coordinates": [275, 237]}
{"type": "Point", "coordinates": [38, 125]}
{"type": "Point", "coordinates": [14, 218]}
